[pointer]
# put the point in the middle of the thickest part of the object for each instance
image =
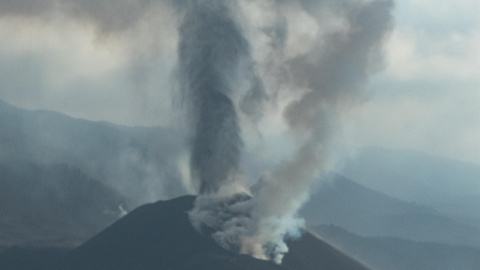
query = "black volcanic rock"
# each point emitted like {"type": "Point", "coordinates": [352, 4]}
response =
{"type": "Point", "coordinates": [160, 236]}
{"type": "Point", "coordinates": [153, 235]}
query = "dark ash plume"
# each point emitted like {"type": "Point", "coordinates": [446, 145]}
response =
{"type": "Point", "coordinates": [210, 53]}
{"type": "Point", "coordinates": [312, 77]}
{"type": "Point", "coordinates": [322, 81]}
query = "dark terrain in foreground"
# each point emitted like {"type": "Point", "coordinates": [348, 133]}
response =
{"type": "Point", "coordinates": [159, 236]}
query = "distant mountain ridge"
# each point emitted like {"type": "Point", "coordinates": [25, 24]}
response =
{"type": "Point", "coordinates": [451, 186]}
{"type": "Point", "coordinates": [400, 254]}
{"type": "Point", "coordinates": [63, 179]}
{"type": "Point", "coordinates": [342, 202]}
{"type": "Point", "coordinates": [79, 172]}
{"type": "Point", "coordinates": [53, 206]}
{"type": "Point", "coordinates": [133, 160]}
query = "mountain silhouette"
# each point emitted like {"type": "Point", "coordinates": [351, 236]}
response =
{"type": "Point", "coordinates": [400, 254]}
{"type": "Point", "coordinates": [358, 209]}
{"type": "Point", "coordinates": [160, 236]}
{"type": "Point", "coordinates": [53, 206]}
{"type": "Point", "coordinates": [130, 160]}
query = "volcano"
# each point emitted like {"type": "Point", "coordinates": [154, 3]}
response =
{"type": "Point", "coordinates": [160, 236]}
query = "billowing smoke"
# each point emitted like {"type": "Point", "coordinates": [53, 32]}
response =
{"type": "Point", "coordinates": [242, 63]}
{"type": "Point", "coordinates": [321, 82]}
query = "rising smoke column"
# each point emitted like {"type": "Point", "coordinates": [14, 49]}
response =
{"type": "Point", "coordinates": [335, 73]}
{"type": "Point", "coordinates": [214, 59]}
{"type": "Point", "coordinates": [322, 82]}
{"type": "Point", "coordinates": [210, 53]}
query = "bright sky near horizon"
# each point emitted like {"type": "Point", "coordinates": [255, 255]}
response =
{"type": "Point", "coordinates": [427, 98]}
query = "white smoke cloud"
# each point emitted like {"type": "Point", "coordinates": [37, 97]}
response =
{"type": "Point", "coordinates": [321, 78]}
{"type": "Point", "coordinates": [242, 63]}
{"type": "Point", "coordinates": [236, 224]}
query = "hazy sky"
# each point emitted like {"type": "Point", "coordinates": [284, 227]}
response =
{"type": "Point", "coordinates": [427, 98]}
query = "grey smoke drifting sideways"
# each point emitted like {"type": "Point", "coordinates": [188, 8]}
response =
{"type": "Point", "coordinates": [322, 81]}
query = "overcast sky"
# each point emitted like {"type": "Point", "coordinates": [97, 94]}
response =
{"type": "Point", "coordinates": [427, 97]}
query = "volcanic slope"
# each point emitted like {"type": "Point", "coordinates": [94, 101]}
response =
{"type": "Point", "coordinates": [159, 236]}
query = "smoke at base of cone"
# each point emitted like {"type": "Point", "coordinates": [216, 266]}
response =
{"type": "Point", "coordinates": [215, 58]}
{"type": "Point", "coordinates": [240, 62]}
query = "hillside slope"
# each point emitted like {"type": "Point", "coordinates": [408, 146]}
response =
{"type": "Point", "coordinates": [399, 254]}
{"type": "Point", "coordinates": [137, 162]}
{"type": "Point", "coordinates": [159, 236]}
{"type": "Point", "coordinates": [344, 203]}
{"type": "Point", "coordinates": [53, 206]}
{"type": "Point", "coordinates": [451, 186]}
